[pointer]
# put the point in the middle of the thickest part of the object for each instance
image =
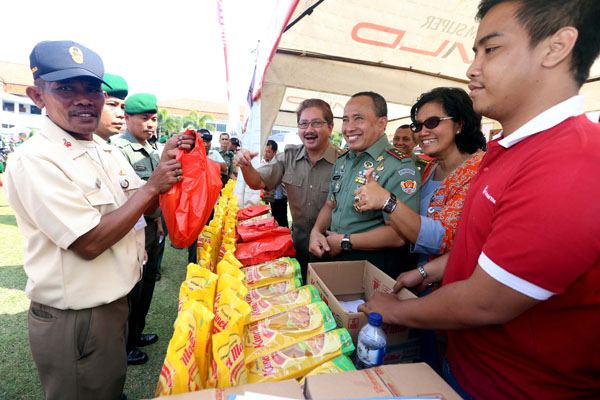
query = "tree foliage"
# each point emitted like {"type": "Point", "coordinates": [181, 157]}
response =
{"type": "Point", "coordinates": [170, 124]}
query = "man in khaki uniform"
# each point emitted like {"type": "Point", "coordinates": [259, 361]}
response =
{"type": "Point", "coordinates": [342, 231]}
{"type": "Point", "coordinates": [141, 117]}
{"type": "Point", "coordinates": [79, 206]}
{"type": "Point", "coordinates": [113, 113]}
{"type": "Point", "coordinates": [304, 170]}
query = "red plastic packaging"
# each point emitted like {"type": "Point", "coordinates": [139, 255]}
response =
{"type": "Point", "coordinates": [187, 205]}
{"type": "Point", "coordinates": [253, 211]}
{"type": "Point", "coordinates": [270, 248]}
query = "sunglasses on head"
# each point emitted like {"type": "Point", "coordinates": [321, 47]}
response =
{"type": "Point", "coordinates": [429, 123]}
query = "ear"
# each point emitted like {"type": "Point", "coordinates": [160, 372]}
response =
{"type": "Point", "coordinates": [559, 46]}
{"type": "Point", "coordinates": [383, 123]}
{"type": "Point", "coordinates": [35, 94]}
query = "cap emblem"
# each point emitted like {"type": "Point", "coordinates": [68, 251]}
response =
{"type": "Point", "coordinates": [76, 54]}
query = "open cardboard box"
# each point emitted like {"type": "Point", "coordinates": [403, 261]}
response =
{"type": "Point", "coordinates": [353, 280]}
{"type": "Point", "coordinates": [289, 388]}
{"type": "Point", "coordinates": [385, 381]}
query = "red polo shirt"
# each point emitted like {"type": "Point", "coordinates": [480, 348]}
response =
{"type": "Point", "coordinates": [531, 220]}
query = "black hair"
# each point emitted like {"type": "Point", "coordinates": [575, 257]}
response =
{"type": "Point", "coordinates": [224, 133]}
{"type": "Point", "coordinates": [543, 18]}
{"type": "Point", "coordinates": [318, 103]}
{"type": "Point", "coordinates": [273, 144]}
{"type": "Point", "coordinates": [403, 126]}
{"type": "Point", "coordinates": [458, 105]}
{"type": "Point", "coordinates": [379, 103]}
{"type": "Point", "coordinates": [203, 131]}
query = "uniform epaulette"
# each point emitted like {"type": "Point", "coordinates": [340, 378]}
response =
{"type": "Point", "coordinates": [422, 161]}
{"type": "Point", "coordinates": [343, 154]}
{"type": "Point", "coordinates": [397, 153]}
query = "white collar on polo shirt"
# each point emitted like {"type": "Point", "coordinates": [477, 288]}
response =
{"type": "Point", "coordinates": [546, 120]}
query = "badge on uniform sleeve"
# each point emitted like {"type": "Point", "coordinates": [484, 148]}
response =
{"type": "Point", "coordinates": [408, 187]}
{"type": "Point", "coordinates": [124, 183]}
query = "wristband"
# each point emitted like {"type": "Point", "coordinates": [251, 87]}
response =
{"type": "Point", "coordinates": [422, 272]}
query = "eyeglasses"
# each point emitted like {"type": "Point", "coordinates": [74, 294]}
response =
{"type": "Point", "coordinates": [429, 123]}
{"type": "Point", "coordinates": [315, 124]}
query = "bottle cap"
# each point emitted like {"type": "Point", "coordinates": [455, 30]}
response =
{"type": "Point", "coordinates": [375, 319]}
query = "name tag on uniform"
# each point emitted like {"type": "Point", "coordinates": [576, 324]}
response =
{"type": "Point", "coordinates": [140, 167]}
{"type": "Point", "coordinates": [140, 224]}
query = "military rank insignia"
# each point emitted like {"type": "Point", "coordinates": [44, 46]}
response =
{"type": "Point", "coordinates": [408, 187]}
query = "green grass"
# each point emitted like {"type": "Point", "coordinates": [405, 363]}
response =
{"type": "Point", "coordinates": [19, 378]}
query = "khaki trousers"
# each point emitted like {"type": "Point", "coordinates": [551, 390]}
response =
{"type": "Point", "coordinates": [80, 354]}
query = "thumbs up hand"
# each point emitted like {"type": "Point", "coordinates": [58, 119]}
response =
{"type": "Point", "coordinates": [370, 196]}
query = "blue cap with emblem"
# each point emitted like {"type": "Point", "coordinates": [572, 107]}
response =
{"type": "Point", "coordinates": [59, 60]}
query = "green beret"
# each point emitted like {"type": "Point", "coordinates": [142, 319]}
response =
{"type": "Point", "coordinates": [119, 86]}
{"type": "Point", "coordinates": [162, 139]}
{"type": "Point", "coordinates": [141, 103]}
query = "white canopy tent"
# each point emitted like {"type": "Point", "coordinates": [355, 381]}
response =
{"type": "Point", "coordinates": [399, 48]}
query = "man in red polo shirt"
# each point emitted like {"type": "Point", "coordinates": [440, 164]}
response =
{"type": "Point", "coordinates": [520, 294]}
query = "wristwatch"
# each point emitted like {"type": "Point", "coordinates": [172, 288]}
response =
{"type": "Point", "coordinates": [390, 204]}
{"type": "Point", "coordinates": [346, 245]}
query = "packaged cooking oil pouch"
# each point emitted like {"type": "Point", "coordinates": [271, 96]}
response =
{"type": "Point", "coordinates": [285, 329]}
{"type": "Point", "coordinates": [272, 271]}
{"type": "Point", "coordinates": [269, 306]}
{"type": "Point", "coordinates": [297, 360]}
{"type": "Point", "coordinates": [273, 289]}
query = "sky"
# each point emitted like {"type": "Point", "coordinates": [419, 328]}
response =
{"type": "Point", "coordinates": [169, 48]}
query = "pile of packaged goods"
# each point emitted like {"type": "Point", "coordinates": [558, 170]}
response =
{"type": "Point", "coordinates": [246, 324]}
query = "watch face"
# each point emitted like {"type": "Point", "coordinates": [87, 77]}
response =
{"type": "Point", "coordinates": [346, 245]}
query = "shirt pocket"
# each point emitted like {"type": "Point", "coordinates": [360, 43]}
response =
{"type": "Point", "coordinates": [98, 197]}
{"type": "Point", "coordinates": [293, 180]}
{"type": "Point", "coordinates": [143, 168]}
{"type": "Point", "coordinates": [130, 182]}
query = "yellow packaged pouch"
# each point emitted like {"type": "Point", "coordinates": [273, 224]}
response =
{"type": "Point", "coordinates": [228, 244]}
{"type": "Point", "coordinates": [202, 288]}
{"type": "Point", "coordinates": [229, 282]}
{"type": "Point", "coordinates": [229, 309]}
{"type": "Point", "coordinates": [269, 306]}
{"type": "Point", "coordinates": [202, 351]}
{"type": "Point", "coordinates": [297, 360]}
{"type": "Point", "coordinates": [338, 364]}
{"type": "Point", "coordinates": [224, 267]}
{"type": "Point", "coordinates": [230, 258]}
{"type": "Point", "coordinates": [285, 329]}
{"type": "Point", "coordinates": [179, 373]}
{"type": "Point", "coordinates": [204, 257]}
{"type": "Point", "coordinates": [274, 289]}
{"type": "Point", "coordinates": [228, 357]}
{"type": "Point", "coordinates": [272, 271]}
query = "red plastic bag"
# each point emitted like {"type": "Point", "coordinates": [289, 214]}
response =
{"type": "Point", "coordinates": [270, 248]}
{"type": "Point", "coordinates": [187, 205]}
{"type": "Point", "coordinates": [260, 233]}
{"type": "Point", "coordinates": [253, 211]}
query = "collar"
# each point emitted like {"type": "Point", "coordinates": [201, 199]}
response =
{"type": "Point", "coordinates": [134, 142]}
{"type": "Point", "coordinates": [376, 149]}
{"type": "Point", "coordinates": [56, 134]}
{"type": "Point", "coordinates": [330, 154]}
{"type": "Point", "coordinates": [546, 120]}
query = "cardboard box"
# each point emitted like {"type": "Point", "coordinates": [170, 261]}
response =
{"type": "Point", "coordinates": [385, 381]}
{"type": "Point", "coordinates": [288, 388]}
{"type": "Point", "coordinates": [352, 280]}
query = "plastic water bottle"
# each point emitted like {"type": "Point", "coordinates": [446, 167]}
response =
{"type": "Point", "coordinates": [370, 349]}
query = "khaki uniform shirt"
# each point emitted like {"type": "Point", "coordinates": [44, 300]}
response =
{"type": "Point", "coordinates": [397, 173]}
{"type": "Point", "coordinates": [59, 192]}
{"type": "Point", "coordinates": [143, 158]}
{"type": "Point", "coordinates": [306, 186]}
